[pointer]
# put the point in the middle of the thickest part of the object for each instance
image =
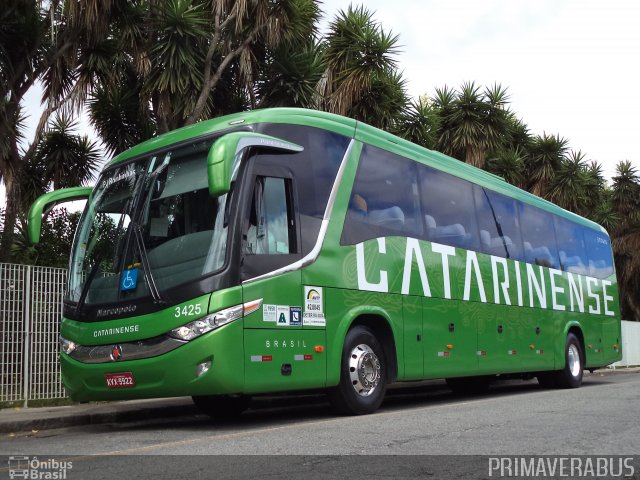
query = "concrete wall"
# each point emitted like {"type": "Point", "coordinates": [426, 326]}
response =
{"type": "Point", "coordinates": [630, 345]}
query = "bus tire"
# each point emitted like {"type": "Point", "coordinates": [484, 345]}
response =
{"type": "Point", "coordinates": [222, 407]}
{"type": "Point", "coordinates": [571, 375]}
{"type": "Point", "coordinates": [363, 375]}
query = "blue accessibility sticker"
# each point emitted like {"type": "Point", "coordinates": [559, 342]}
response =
{"type": "Point", "coordinates": [129, 279]}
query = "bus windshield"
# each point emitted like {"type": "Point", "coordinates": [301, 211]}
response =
{"type": "Point", "coordinates": [149, 225]}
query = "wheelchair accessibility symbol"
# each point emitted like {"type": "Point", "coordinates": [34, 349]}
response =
{"type": "Point", "coordinates": [129, 279]}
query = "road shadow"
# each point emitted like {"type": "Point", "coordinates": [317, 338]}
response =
{"type": "Point", "coordinates": [272, 410]}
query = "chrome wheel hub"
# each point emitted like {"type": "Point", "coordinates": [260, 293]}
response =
{"type": "Point", "coordinates": [364, 370]}
{"type": "Point", "coordinates": [573, 360]}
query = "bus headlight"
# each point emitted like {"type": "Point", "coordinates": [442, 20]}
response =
{"type": "Point", "coordinates": [215, 320]}
{"type": "Point", "coordinates": [67, 346]}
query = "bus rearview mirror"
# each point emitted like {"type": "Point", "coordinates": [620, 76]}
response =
{"type": "Point", "coordinates": [48, 201]}
{"type": "Point", "coordinates": [225, 154]}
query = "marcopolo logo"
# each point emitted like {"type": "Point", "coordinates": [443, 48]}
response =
{"type": "Point", "coordinates": [33, 468]}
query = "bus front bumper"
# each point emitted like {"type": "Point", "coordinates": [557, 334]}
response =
{"type": "Point", "coordinates": [176, 373]}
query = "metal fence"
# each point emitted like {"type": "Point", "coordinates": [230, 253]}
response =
{"type": "Point", "coordinates": [30, 312]}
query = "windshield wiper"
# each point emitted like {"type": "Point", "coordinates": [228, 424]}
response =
{"type": "Point", "coordinates": [85, 288]}
{"type": "Point", "coordinates": [153, 288]}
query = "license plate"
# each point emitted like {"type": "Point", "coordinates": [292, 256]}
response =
{"type": "Point", "coordinates": [120, 380]}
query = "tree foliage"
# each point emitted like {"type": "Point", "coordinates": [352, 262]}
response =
{"type": "Point", "coordinates": [144, 67]}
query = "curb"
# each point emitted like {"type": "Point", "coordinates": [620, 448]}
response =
{"type": "Point", "coordinates": [114, 413]}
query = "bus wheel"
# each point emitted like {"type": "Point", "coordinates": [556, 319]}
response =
{"type": "Point", "coordinates": [363, 376]}
{"type": "Point", "coordinates": [571, 375]}
{"type": "Point", "coordinates": [222, 407]}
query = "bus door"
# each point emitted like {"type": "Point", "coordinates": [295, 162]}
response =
{"type": "Point", "coordinates": [278, 349]}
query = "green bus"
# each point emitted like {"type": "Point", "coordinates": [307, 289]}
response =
{"type": "Point", "coordinates": [289, 249]}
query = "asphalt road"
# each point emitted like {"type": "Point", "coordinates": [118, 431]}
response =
{"type": "Point", "coordinates": [514, 418]}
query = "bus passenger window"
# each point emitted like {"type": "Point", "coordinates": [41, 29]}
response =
{"type": "Point", "coordinates": [499, 225]}
{"type": "Point", "coordinates": [598, 248]}
{"type": "Point", "coordinates": [447, 202]}
{"type": "Point", "coordinates": [538, 235]}
{"type": "Point", "coordinates": [270, 229]}
{"type": "Point", "coordinates": [571, 246]}
{"type": "Point", "coordinates": [384, 199]}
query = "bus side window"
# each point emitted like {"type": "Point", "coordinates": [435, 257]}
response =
{"type": "Point", "coordinates": [539, 237]}
{"type": "Point", "coordinates": [271, 227]}
{"type": "Point", "coordinates": [499, 225]}
{"type": "Point", "coordinates": [384, 199]}
{"type": "Point", "coordinates": [571, 249]}
{"type": "Point", "coordinates": [448, 205]}
{"type": "Point", "coordinates": [598, 248]}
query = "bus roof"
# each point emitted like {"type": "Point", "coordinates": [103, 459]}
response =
{"type": "Point", "coordinates": [354, 129]}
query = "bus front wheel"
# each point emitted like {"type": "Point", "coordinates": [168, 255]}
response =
{"type": "Point", "coordinates": [363, 377]}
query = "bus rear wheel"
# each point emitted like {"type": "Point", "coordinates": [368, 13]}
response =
{"type": "Point", "coordinates": [222, 407]}
{"type": "Point", "coordinates": [571, 375]}
{"type": "Point", "coordinates": [363, 377]}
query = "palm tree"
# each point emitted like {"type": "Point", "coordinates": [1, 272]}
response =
{"type": "Point", "coordinates": [508, 164]}
{"type": "Point", "coordinates": [177, 61]}
{"type": "Point", "coordinates": [24, 51]}
{"type": "Point", "coordinates": [67, 159]}
{"type": "Point", "coordinates": [418, 123]}
{"type": "Point", "coordinates": [290, 76]}
{"type": "Point", "coordinates": [544, 159]}
{"type": "Point", "coordinates": [360, 78]}
{"type": "Point", "coordinates": [625, 199]}
{"type": "Point", "coordinates": [473, 121]}
{"type": "Point", "coordinates": [568, 186]}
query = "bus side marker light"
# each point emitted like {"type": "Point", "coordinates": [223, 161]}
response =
{"type": "Point", "coordinates": [615, 346]}
{"type": "Point", "coordinates": [532, 347]}
{"type": "Point", "coordinates": [318, 349]}
{"type": "Point", "coordinates": [540, 352]}
{"type": "Point", "coordinates": [261, 358]}
{"type": "Point", "coordinates": [590, 346]}
{"type": "Point", "coordinates": [443, 354]}
{"type": "Point", "coordinates": [512, 352]}
{"type": "Point", "coordinates": [302, 357]}
{"type": "Point", "coordinates": [449, 346]}
{"type": "Point", "coordinates": [481, 353]}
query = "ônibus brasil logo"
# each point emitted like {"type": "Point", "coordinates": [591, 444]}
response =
{"type": "Point", "coordinates": [32, 468]}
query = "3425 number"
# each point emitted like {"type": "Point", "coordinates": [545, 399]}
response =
{"type": "Point", "coordinates": [188, 310]}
